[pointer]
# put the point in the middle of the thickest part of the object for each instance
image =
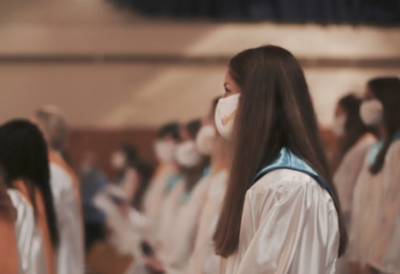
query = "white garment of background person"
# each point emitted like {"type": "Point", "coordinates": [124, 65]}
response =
{"type": "Point", "coordinates": [126, 225]}
{"type": "Point", "coordinates": [183, 233]}
{"type": "Point", "coordinates": [348, 171]}
{"type": "Point", "coordinates": [70, 253]}
{"type": "Point", "coordinates": [385, 250]}
{"type": "Point", "coordinates": [30, 244]}
{"type": "Point", "coordinates": [170, 207]}
{"type": "Point", "coordinates": [289, 226]}
{"type": "Point", "coordinates": [154, 197]}
{"type": "Point", "coordinates": [365, 213]}
{"type": "Point", "coordinates": [203, 259]}
{"type": "Point", "coordinates": [345, 181]}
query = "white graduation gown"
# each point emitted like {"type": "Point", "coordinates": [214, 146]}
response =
{"type": "Point", "coordinates": [70, 253]}
{"type": "Point", "coordinates": [349, 169]}
{"type": "Point", "coordinates": [365, 213]}
{"type": "Point", "coordinates": [183, 232]}
{"type": "Point", "coordinates": [29, 239]}
{"type": "Point", "coordinates": [385, 249]}
{"type": "Point", "coordinates": [170, 208]}
{"type": "Point", "coordinates": [289, 226]}
{"type": "Point", "coordinates": [203, 259]}
{"type": "Point", "coordinates": [154, 198]}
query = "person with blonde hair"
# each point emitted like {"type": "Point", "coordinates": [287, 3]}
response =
{"type": "Point", "coordinates": [66, 191]}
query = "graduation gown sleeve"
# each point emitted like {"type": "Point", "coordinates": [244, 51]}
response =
{"type": "Point", "coordinates": [289, 226]}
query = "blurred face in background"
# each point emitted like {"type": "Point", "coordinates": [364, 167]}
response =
{"type": "Point", "coordinates": [118, 160]}
{"type": "Point", "coordinates": [88, 163]}
{"type": "Point", "coordinates": [187, 154]}
{"type": "Point", "coordinates": [165, 149]}
{"type": "Point", "coordinates": [371, 110]}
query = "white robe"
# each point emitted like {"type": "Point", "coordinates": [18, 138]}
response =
{"type": "Point", "coordinates": [170, 207]}
{"type": "Point", "coordinates": [365, 213]}
{"type": "Point", "coordinates": [385, 248]}
{"type": "Point", "coordinates": [29, 239]}
{"type": "Point", "coordinates": [289, 226]}
{"type": "Point", "coordinates": [184, 230]}
{"type": "Point", "coordinates": [345, 181]}
{"type": "Point", "coordinates": [154, 198]}
{"type": "Point", "coordinates": [349, 169]}
{"type": "Point", "coordinates": [70, 253]}
{"type": "Point", "coordinates": [203, 259]}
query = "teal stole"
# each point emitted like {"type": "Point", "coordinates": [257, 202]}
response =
{"type": "Point", "coordinates": [186, 195]}
{"type": "Point", "coordinates": [288, 160]}
{"type": "Point", "coordinates": [376, 148]}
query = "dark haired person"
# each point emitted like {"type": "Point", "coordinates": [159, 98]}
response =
{"type": "Point", "coordinates": [353, 142]}
{"type": "Point", "coordinates": [375, 233]}
{"type": "Point", "coordinates": [9, 251]}
{"type": "Point", "coordinates": [133, 173]}
{"type": "Point", "coordinates": [178, 197]}
{"type": "Point", "coordinates": [66, 191]}
{"type": "Point", "coordinates": [281, 213]}
{"type": "Point", "coordinates": [165, 148]}
{"type": "Point", "coordinates": [182, 238]}
{"type": "Point", "coordinates": [203, 259]}
{"type": "Point", "coordinates": [23, 155]}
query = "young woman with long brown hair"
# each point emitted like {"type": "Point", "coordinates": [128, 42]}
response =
{"type": "Point", "coordinates": [23, 155]}
{"type": "Point", "coordinates": [281, 213]}
{"type": "Point", "coordinates": [375, 230]}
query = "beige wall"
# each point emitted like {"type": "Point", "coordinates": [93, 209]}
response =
{"type": "Point", "coordinates": [147, 94]}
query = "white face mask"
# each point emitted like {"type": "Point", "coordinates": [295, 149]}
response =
{"type": "Point", "coordinates": [205, 140]}
{"type": "Point", "coordinates": [165, 151]}
{"type": "Point", "coordinates": [118, 160]}
{"type": "Point", "coordinates": [225, 115]}
{"type": "Point", "coordinates": [339, 126]}
{"type": "Point", "coordinates": [187, 154]}
{"type": "Point", "coordinates": [371, 112]}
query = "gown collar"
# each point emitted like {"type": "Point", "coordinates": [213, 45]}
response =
{"type": "Point", "coordinates": [288, 160]}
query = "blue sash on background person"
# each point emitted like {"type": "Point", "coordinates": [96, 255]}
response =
{"type": "Point", "coordinates": [288, 160]}
{"type": "Point", "coordinates": [376, 148]}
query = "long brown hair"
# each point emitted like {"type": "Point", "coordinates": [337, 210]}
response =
{"type": "Point", "coordinates": [275, 110]}
{"type": "Point", "coordinates": [24, 156]}
{"type": "Point", "coordinates": [7, 211]}
{"type": "Point", "coordinates": [354, 127]}
{"type": "Point", "coordinates": [387, 91]}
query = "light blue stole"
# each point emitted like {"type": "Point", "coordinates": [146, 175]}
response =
{"type": "Point", "coordinates": [376, 148]}
{"type": "Point", "coordinates": [172, 181]}
{"type": "Point", "coordinates": [288, 160]}
{"type": "Point", "coordinates": [186, 195]}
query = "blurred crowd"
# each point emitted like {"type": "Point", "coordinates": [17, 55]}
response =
{"type": "Point", "coordinates": [165, 217]}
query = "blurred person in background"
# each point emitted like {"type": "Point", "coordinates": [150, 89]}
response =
{"type": "Point", "coordinates": [375, 230]}
{"type": "Point", "coordinates": [92, 183]}
{"type": "Point", "coordinates": [193, 167]}
{"type": "Point", "coordinates": [182, 238]}
{"type": "Point", "coordinates": [203, 259]}
{"type": "Point", "coordinates": [353, 142]}
{"type": "Point", "coordinates": [66, 191]}
{"type": "Point", "coordinates": [24, 157]}
{"type": "Point", "coordinates": [133, 174]}
{"type": "Point", "coordinates": [165, 149]}
{"type": "Point", "coordinates": [9, 249]}
{"type": "Point", "coordinates": [281, 213]}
